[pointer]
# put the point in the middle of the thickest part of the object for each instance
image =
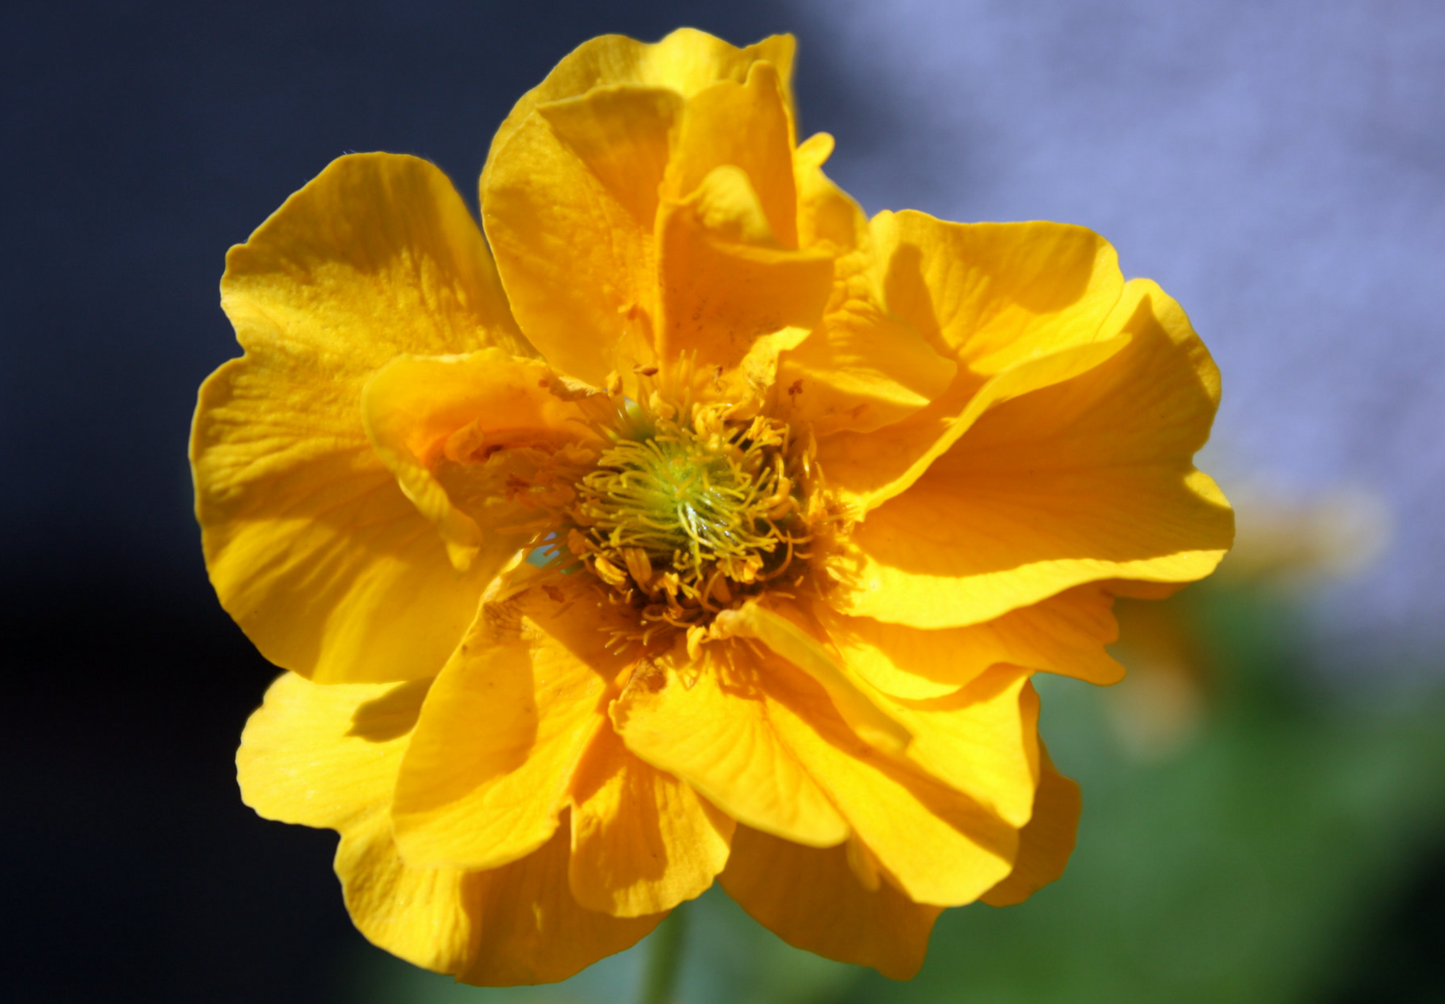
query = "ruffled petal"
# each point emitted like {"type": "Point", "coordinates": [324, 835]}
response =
{"type": "Point", "coordinates": [863, 367]}
{"type": "Point", "coordinates": [1063, 634]}
{"type": "Point", "coordinates": [860, 370]}
{"type": "Point", "coordinates": [427, 916]}
{"type": "Point", "coordinates": [995, 298]}
{"type": "Point", "coordinates": [686, 61]}
{"type": "Point", "coordinates": [325, 755]}
{"type": "Point", "coordinates": [374, 257]}
{"type": "Point", "coordinates": [534, 931]}
{"type": "Point", "coordinates": [828, 218]}
{"type": "Point", "coordinates": [726, 280]}
{"type": "Point", "coordinates": [627, 216]}
{"type": "Point", "coordinates": [812, 899]}
{"type": "Point", "coordinates": [1081, 481]}
{"type": "Point", "coordinates": [745, 126]}
{"type": "Point", "coordinates": [940, 846]}
{"type": "Point", "coordinates": [642, 841]}
{"type": "Point", "coordinates": [569, 204]}
{"type": "Point", "coordinates": [328, 756]}
{"type": "Point", "coordinates": [707, 725]}
{"type": "Point", "coordinates": [792, 639]}
{"type": "Point", "coordinates": [1046, 842]}
{"type": "Point", "coordinates": [980, 739]}
{"type": "Point", "coordinates": [489, 769]}
{"type": "Point", "coordinates": [310, 544]}
{"type": "Point", "coordinates": [517, 924]}
{"type": "Point", "coordinates": [426, 414]}
{"type": "Point", "coordinates": [866, 470]}
{"type": "Point", "coordinates": [994, 294]}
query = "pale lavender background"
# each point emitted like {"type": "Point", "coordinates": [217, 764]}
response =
{"type": "Point", "coordinates": [1278, 167]}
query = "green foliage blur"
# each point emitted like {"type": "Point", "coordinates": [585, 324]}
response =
{"type": "Point", "coordinates": [1247, 836]}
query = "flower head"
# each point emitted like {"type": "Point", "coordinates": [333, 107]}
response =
{"type": "Point", "coordinates": [709, 531]}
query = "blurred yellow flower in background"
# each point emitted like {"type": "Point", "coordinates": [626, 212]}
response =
{"type": "Point", "coordinates": [1283, 546]}
{"type": "Point", "coordinates": [691, 526]}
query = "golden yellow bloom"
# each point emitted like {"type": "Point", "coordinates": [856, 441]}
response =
{"type": "Point", "coordinates": [806, 499]}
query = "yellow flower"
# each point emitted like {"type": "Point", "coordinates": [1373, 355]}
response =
{"type": "Point", "coordinates": [805, 499]}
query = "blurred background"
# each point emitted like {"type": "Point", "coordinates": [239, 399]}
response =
{"type": "Point", "coordinates": [1264, 796]}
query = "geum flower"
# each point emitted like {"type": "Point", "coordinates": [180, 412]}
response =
{"type": "Point", "coordinates": [806, 499]}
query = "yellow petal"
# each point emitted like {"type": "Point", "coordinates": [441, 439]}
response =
{"type": "Point", "coordinates": [706, 724]}
{"type": "Point", "coordinates": [726, 281]}
{"type": "Point", "coordinates": [864, 367]}
{"type": "Point", "coordinates": [811, 899]}
{"type": "Point", "coordinates": [981, 740]}
{"type": "Point", "coordinates": [1046, 842]}
{"type": "Point", "coordinates": [411, 405]}
{"type": "Point", "coordinates": [374, 257]}
{"type": "Point", "coordinates": [1063, 634]}
{"type": "Point", "coordinates": [490, 765]}
{"type": "Point", "coordinates": [994, 294]}
{"type": "Point", "coordinates": [325, 755]}
{"type": "Point", "coordinates": [828, 217]}
{"type": "Point", "coordinates": [937, 844]}
{"type": "Point", "coordinates": [1081, 481]}
{"type": "Point", "coordinates": [859, 371]}
{"type": "Point", "coordinates": [328, 756]}
{"type": "Point", "coordinates": [868, 469]}
{"type": "Point", "coordinates": [569, 204]}
{"type": "Point", "coordinates": [516, 924]}
{"type": "Point", "coordinates": [686, 61]}
{"type": "Point", "coordinates": [745, 126]}
{"type": "Point", "coordinates": [642, 841]}
{"type": "Point", "coordinates": [752, 380]}
{"type": "Point", "coordinates": [534, 931]}
{"type": "Point", "coordinates": [311, 546]}
{"type": "Point", "coordinates": [1017, 305]}
{"type": "Point", "coordinates": [427, 916]}
{"type": "Point", "coordinates": [795, 644]}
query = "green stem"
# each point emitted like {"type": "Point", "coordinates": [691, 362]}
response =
{"type": "Point", "coordinates": [665, 958]}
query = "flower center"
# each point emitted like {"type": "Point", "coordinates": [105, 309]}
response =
{"type": "Point", "coordinates": [684, 516]}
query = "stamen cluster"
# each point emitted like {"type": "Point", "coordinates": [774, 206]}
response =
{"type": "Point", "coordinates": [688, 511]}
